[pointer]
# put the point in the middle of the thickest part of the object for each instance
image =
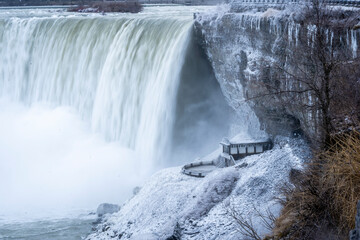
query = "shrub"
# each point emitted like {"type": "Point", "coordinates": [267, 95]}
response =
{"type": "Point", "coordinates": [321, 203]}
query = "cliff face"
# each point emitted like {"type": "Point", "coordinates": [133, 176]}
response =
{"type": "Point", "coordinates": [246, 46]}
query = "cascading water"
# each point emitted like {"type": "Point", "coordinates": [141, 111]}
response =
{"type": "Point", "coordinates": [120, 73]}
{"type": "Point", "coordinates": [91, 104]}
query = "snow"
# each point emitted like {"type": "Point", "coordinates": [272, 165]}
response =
{"type": "Point", "coordinates": [212, 156]}
{"type": "Point", "coordinates": [270, 12]}
{"type": "Point", "coordinates": [241, 139]}
{"type": "Point", "coordinates": [195, 208]}
{"type": "Point", "coordinates": [215, 14]}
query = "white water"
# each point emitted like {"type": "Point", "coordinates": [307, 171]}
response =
{"type": "Point", "coordinates": [52, 164]}
{"type": "Point", "coordinates": [121, 73]}
{"type": "Point", "coordinates": [87, 105]}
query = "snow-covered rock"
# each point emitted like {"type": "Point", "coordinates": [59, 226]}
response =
{"type": "Point", "coordinates": [107, 208]}
{"type": "Point", "coordinates": [174, 205]}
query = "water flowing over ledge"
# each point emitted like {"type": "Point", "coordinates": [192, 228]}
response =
{"type": "Point", "coordinates": [120, 73]}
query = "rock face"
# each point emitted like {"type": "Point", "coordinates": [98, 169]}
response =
{"type": "Point", "coordinates": [107, 208]}
{"type": "Point", "coordinates": [246, 46]}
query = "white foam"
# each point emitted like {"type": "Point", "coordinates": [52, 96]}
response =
{"type": "Point", "coordinates": [50, 162]}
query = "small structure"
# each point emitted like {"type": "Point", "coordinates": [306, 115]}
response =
{"type": "Point", "coordinates": [231, 151]}
{"type": "Point", "coordinates": [238, 150]}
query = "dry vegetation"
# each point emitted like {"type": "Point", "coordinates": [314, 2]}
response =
{"type": "Point", "coordinates": [323, 203]}
{"type": "Point", "coordinates": [245, 225]}
{"type": "Point", "coordinates": [320, 202]}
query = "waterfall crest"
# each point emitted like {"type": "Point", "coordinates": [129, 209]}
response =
{"type": "Point", "coordinates": [120, 73]}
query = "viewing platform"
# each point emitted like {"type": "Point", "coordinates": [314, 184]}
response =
{"type": "Point", "coordinates": [230, 152]}
{"type": "Point", "coordinates": [241, 149]}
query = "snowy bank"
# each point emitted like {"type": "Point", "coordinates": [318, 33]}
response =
{"type": "Point", "coordinates": [175, 205]}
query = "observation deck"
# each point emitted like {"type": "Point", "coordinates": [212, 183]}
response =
{"type": "Point", "coordinates": [231, 151]}
{"type": "Point", "coordinates": [241, 149]}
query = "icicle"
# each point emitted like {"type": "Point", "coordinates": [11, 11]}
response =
{"type": "Point", "coordinates": [297, 29]}
{"type": "Point", "coordinates": [327, 35]}
{"type": "Point", "coordinates": [331, 39]}
{"type": "Point", "coordinates": [290, 31]}
{"type": "Point", "coordinates": [354, 46]}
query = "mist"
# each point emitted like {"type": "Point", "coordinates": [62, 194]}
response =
{"type": "Point", "coordinates": [51, 163]}
{"type": "Point", "coordinates": [203, 117]}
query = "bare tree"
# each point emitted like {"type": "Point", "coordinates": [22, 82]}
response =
{"type": "Point", "coordinates": [244, 221]}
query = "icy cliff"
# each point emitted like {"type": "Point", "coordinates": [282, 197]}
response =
{"type": "Point", "coordinates": [246, 46]}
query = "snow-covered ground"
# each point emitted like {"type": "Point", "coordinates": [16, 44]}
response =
{"type": "Point", "coordinates": [173, 204]}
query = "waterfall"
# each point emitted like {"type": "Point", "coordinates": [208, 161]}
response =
{"type": "Point", "coordinates": [120, 73]}
{"type": "Point", "coordinates": [91, 105]}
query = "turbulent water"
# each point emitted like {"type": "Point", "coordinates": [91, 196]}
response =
{"type": "Point", "coordinates": [91, 104]}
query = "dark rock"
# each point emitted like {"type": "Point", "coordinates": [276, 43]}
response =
{"type": "Point", "coordinates": [355, 233]}
{"type": "Point", "coordinates": [136, 190]}
{"type": "Point", "coordinates": [177, 233]}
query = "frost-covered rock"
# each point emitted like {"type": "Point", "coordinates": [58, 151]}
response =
{"type": "Point", "coordinates": [107, 208]}
{"type": "Point", "coordinates": [174, 205]}
{"type": "Point", "coordinates": [245, 44]}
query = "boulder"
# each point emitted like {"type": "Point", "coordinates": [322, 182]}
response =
{"type": "Point", "coordinates": [107, 208]}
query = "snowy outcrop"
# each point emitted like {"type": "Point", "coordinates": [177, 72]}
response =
{"type": "Point", "coordinates": [172, 205]}
{"type": "Point", "coordinates": [245, 44]}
